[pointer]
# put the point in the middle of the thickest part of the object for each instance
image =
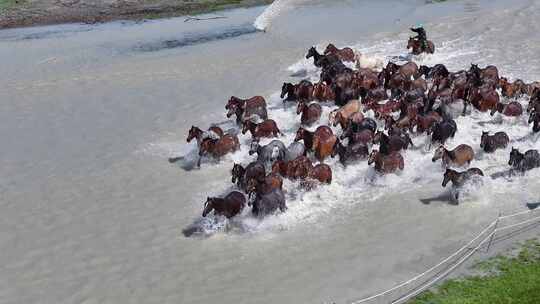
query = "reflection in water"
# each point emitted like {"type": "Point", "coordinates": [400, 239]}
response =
{"type": "Point", "coordinates": [190, 39]}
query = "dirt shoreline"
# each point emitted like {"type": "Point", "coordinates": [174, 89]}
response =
{"type": "Point", "coordinates": [26, 13]}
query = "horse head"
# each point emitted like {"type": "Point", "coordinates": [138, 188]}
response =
{"type": "Point", "coordinates": [300, 134]}
{"type": "Point", "coordinates": [193, 133]}
{"type": "Point", "coordinates": [373, 156]}
{"type": "Point", "coordinates": [286, 88]}
{"type": "Point", "coordinates": [254, 147]}
{"type": "Point", "coordinates": [515, 157]}
{"type": "Point", "coordinates": [439, 153]}
{"type": "Point", "coordinates": [300, 108]}
{"type": "Point", "coordinates": [483, 139]}
{"type": "Point", "coordinates": [208, 206]}
{"type": "Point", "coordinates": [237, 173]}
{"type": "Point", "coordinates": [449, 175]}
{"type": "Point", "coordinates": [337, 149]}
{"type": "Point", "coordinates": [311, 52]}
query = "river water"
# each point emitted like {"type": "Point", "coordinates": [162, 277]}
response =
{"type": "Point", "coordinates": [93, 213]}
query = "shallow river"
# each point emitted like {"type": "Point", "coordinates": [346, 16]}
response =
{"type": "Point", "coordinates": [92, 212]}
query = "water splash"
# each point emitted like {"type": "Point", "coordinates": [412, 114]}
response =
{"type": "Point", "coordinates": [264, 20]}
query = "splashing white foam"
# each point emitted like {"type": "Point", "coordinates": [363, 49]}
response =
{"type": "Point", "coordinates": [357, 184]}
{"type": "Point", "coordinates": [264, 20]}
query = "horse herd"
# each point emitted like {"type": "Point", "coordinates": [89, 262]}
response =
{"type": "Point", "coordinates": [404, 100]}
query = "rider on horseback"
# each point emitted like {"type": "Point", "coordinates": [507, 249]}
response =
{"type": "Point", "coordinates": [421, 36]}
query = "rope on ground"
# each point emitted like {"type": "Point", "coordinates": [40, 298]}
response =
{"type": "Point", "coordinates": [430, 269]}
{"type": "Point", "coordinates": [459, 262]}
{"type": "Point", "coordinates": [430, 283]}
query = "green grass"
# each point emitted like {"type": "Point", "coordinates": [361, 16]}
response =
{"type": "Point", "coordinates": [5, 4]}
{"type": "Point", "coordinates": [508, 280]}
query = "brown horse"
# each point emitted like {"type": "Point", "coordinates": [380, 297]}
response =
{"type": "Point", "coordinates": [484, 98]}
{"type": "Point", "coordinates": [229, 206]}
{"type": "Point", "coordinates": [201, 135]}
{"type": "Point", "coordinates": [323, 92]}
{"type": "Point", "coordinates": [386, 163]}
{"type": "Point", "coordinates": [462, 155]}
{"type": "Point", "coordinates": [261, 187]}
{"type": "Point", "coordinates": [310, 113]}
{"type": "Point", "coordinates": [344, 54]}
{"type": "Point", "coordinates": [490, 143]}
{"type": "Point", "coordinates": [243, 108]}
{"type": "Point", "coordinates": [512, 109]}
{"type": "Point", "coordinates": [321, 173]}
{"type": "Point", "coordinates": [511, 89]}
{"type": "Point", "coordinates": [417, 47]}
{"type": "Point", "coordinates": [267, 128]}
{"type": "Point", "coordinates": [385, 109]}
{"type": "Point", "coordinates": [425, 122]}
{"type": "Point", "coordinates": [226, 144]}
{"type": "Point", "coordinates": [409, 70]}
{"type": "Point", "coordinates": [297, 168]}
{"type": "Point", "coordinates": [321, 141]}
{"type": "Point", "coordinates": [302, 91]}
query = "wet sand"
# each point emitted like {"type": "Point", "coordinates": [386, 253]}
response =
{"type": "Point", "coordinates": [23, 13]}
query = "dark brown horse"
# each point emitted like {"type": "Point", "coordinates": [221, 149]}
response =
{"type": "Point", "coordinates": [267, 128]}
{"type": "Point", "coordinates": [512, 109]}
{"type": "Point", "coordinates": [351, 153]}
{"type": "Point", "coordinates": [524, 161]}
{"type": "Point", "coordinates": [229, 206]}
{"type": "Point", "coordinates": [425, 122]}
{"type": "Point", "coordinates": [462, 155]}
{"type": "Point", "coordinates": [321, 142]}
{"type": "Point", "coordinates": [310, 113]}
{"type": "Point", "coordinates": [244, 108]}
{"type": "Point", "coordinates": [490, 143]}
{"type": "Point", "coordinates": [459, 179]}
{"type": "Point", "coordinates": [417, 47]}
{"type": "Point", "coordinates": [242, 176]}
{"type": "Point", "coordinates": [442, 131]}
{"type": "Point", "coordinates": [344, 54]}
{"type": "Point", "coordinates": [302, 91]}
{"type": "Point", "coordinates": [392, 143]}
{"type": "Point", "coordinates": [385, 164]}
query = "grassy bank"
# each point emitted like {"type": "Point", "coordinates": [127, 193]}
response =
{"type": "Point", "coordinates": [19, 13]}
{"type": "Point", "coordinates": [507, 279]}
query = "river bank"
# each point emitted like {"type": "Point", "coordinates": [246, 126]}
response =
{"type": "Point", "coordinates": [24, 13]}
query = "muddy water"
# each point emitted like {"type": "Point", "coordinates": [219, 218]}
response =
{"type": "Point", "coordinates": [93, 213]}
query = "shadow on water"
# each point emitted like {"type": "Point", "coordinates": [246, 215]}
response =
{"type": "Point", "coordinates": [57, 32]}
{"type": "Point", "coordinates": [190, 39]}
{"type": "Point", "coordinates": [445, 197]}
